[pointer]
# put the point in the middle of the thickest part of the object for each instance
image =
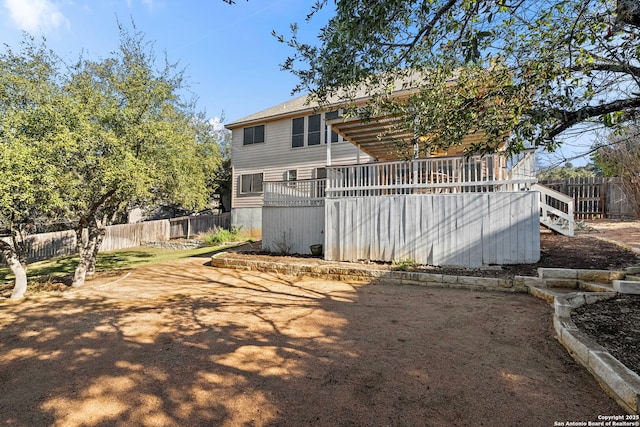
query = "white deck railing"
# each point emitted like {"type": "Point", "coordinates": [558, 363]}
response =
{"type": "Point", "coordinates": [432, 175]}
{"type": "Point", "coordinates": [308, 192]}
{"type": "Point", "coordinates": [556, 210]}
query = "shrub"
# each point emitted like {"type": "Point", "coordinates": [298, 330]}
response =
{"type": "Point", "coordinates": [222, 235]}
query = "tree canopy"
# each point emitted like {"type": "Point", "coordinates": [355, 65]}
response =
{"type": "Point", "coordinates": [92, 140]}
{"type": "Point", "coordinates": [549, 65]}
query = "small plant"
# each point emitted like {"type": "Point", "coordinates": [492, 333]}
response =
{"type": "Point", "coordinates": [404, 265]}
{"type": "Point", "coordinates": [222, 235]}
{"type": "Point", "coordinates": [282, 245]}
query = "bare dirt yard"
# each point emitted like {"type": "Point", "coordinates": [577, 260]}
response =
{"type": "Point", "coordinates": [182, 343]}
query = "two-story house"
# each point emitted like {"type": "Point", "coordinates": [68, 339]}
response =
{"type": "Point", "coordinates": [305, 177]}
{"type": "Point", "coordinates": [287, 142]}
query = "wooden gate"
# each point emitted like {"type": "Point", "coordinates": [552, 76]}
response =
{"type": "Point", "coordinates": [594, 197]}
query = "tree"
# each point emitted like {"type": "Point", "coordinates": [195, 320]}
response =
{"type": "Point", "coordinates": [552, 65]}
{"type": "Point", "coordinates": [33, 132]}
{"type": "Point", "coordinates": [620, 156]}
{"type": "Point", "coordinates": [568, 171]}
{"type": "Point", "coordinates": [140, 144]}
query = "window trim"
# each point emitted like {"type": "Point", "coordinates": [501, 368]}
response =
{"type": "Point", "coordinates": [296, 136]}
{"type": "Point", "coordinates": [252, 184]}
{"type": "Point", "coordinates": [253, 133]}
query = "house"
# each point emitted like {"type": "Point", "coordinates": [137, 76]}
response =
{"type": "Point", "coordinates": [304, 177]}
{"type": "Point", "coordinates": [287, 142]}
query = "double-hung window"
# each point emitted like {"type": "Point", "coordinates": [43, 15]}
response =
{"type": "Point", "coordinates": [334, 136]}
{"type": "Point", "coordinates": [253, 135]}
{"type": "Point", "coordinates": [313, 134]}
{"type": "Point", "coordinates": [251, 183]}
{"type": "Point", "coordinates": [297, 132]}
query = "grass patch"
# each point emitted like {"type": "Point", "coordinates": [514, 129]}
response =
{"type": "Point", "coordinates": [222, 235]}
{"type": "Point", "coordinates": [404, 265]}
{"type": "Point", "coordinates": [116, 260]}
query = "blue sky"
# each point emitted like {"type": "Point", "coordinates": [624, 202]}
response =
{"type": "Point", "coordinates": [232, 62]}
{"type": "Point", "coordinates": [231, 59]}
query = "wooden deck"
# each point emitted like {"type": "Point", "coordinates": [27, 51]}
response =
{"type": "Point", "coordinates": [464, 211]}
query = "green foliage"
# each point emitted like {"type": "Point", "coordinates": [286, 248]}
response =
{"type": "Point", "coordinates": [621, 157]}
{"type": "Point", "coordinates": [87, 142]}
{"type": "Point", "coordinates": [222, 235]}
{"type": "Point", "coordinates": [552, 64]}
{"type": "Point", "coordinates": [569, 171]}
{"type": "Point", "coordinates": [33, 132]}
{"type": "Point", "coordinates": [404, 265]}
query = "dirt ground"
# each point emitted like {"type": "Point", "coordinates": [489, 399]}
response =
{"type": "Point", "coordinates": [182, 344]}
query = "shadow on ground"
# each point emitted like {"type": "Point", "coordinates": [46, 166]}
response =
{"type": "Point", "coordinates": [186, 344]}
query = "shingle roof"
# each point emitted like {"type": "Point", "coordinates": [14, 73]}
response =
{"type": "Point", "coordinates": [292, 106]}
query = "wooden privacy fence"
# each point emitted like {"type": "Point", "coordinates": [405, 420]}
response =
{"type": "Point", "coordinates": [595, 197]}
{"type": "Point", "coordinates": [469, 230]}
{"type": "Point", "coordinates": [63, 243]}
{"type": "Point", "coordinates": [189, 226]}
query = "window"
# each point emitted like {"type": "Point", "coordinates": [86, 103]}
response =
{"type": "Point", "coordinates": [251, 183]}
{"type": "Point", "coordinates": [313, 136]}
{"type": "Point", "coordinates": [253, 135]}
{"type": "Point", "coordinates": [334, 136]}
{"type": "Point", "coordinates": [321, 173]}
{"type": "Point", "coordinates": [292, 175]}
{"type": "Point", "coordinates": [297, 132]}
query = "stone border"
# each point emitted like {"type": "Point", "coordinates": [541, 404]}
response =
{"type": "Point", "coordinates": [360, 275]}
{"type": "Point", "coordinates": [616, 379]}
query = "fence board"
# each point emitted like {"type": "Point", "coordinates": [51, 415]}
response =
{"type": "Point", "coordinates": [462, 229]}
{"type": "Point", "coordinates": [594, 197]}
{"type": "Point", "coordinates": [292, 229]}
{"type": "Point", "coordinates": [63, 243]}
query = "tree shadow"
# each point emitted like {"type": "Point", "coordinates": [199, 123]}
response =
{"type": "Point", "coordinates": [179, 344]}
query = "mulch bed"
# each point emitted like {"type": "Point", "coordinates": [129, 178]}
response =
{"type": "Point", "coordinates": [615, 325]}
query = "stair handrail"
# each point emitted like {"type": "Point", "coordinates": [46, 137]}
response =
{"type": "Point", "coordinates": [546, 209]}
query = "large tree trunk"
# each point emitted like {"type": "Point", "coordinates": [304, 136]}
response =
{"type": "Point", "coordinates": [18, 268]}
{"type": "Point", "coordinates": [87, 249]}
{"type": "Point", "coordinates": [91, 266]}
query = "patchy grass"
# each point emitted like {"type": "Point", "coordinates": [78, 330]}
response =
{"type": "Point", "coordinates": [116, 260]}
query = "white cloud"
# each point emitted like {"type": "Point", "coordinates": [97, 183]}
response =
{"type": "Point", "coordinates": [148, 3]}
{"type": "Point", "coordinates": [36, 15]}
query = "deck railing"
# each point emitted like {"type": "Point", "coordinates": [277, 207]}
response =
{"type": "Point", "coordinates": [308, 192]}
{"type": "Point", "coordinates": [432, 175]}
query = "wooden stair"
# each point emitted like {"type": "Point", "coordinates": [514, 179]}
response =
{"type": "Point", "coordinates": [556, 210]}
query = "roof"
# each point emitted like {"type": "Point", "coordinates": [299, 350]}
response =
{"type": "Point", "coordinates": [381, 137]}
{"type": "Point", "coordinates": [292, 107]}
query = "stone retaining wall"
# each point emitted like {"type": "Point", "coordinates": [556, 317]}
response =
{"type": "Point", "coordinates": [361, 275]}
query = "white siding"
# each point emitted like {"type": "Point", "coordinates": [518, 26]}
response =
{"type": "Point", "coordinates": [471, 229]}
{"type": "Point", "coordinates": [275, 157]}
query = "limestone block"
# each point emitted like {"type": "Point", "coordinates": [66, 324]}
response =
{"type": "Point", "coordinates": [598, 276]}
{"type": "Point", "coordinates": [557, 273]}
{"type": "Point", "coordinates": [622, 382]}
{"type": "Point", "coordinates": [561, 283]}
{"type": "Point", "coordinates": [626, 286]}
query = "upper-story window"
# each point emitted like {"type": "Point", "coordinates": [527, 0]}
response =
{"type": "Point", "coordinates": [307, 131]}
{"type": "Point", "coordinates": [297, 132]}
{"type": "Point", "coordinates": [313, 137]}
{"type": "Point", "coordinates": [253, 135]}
